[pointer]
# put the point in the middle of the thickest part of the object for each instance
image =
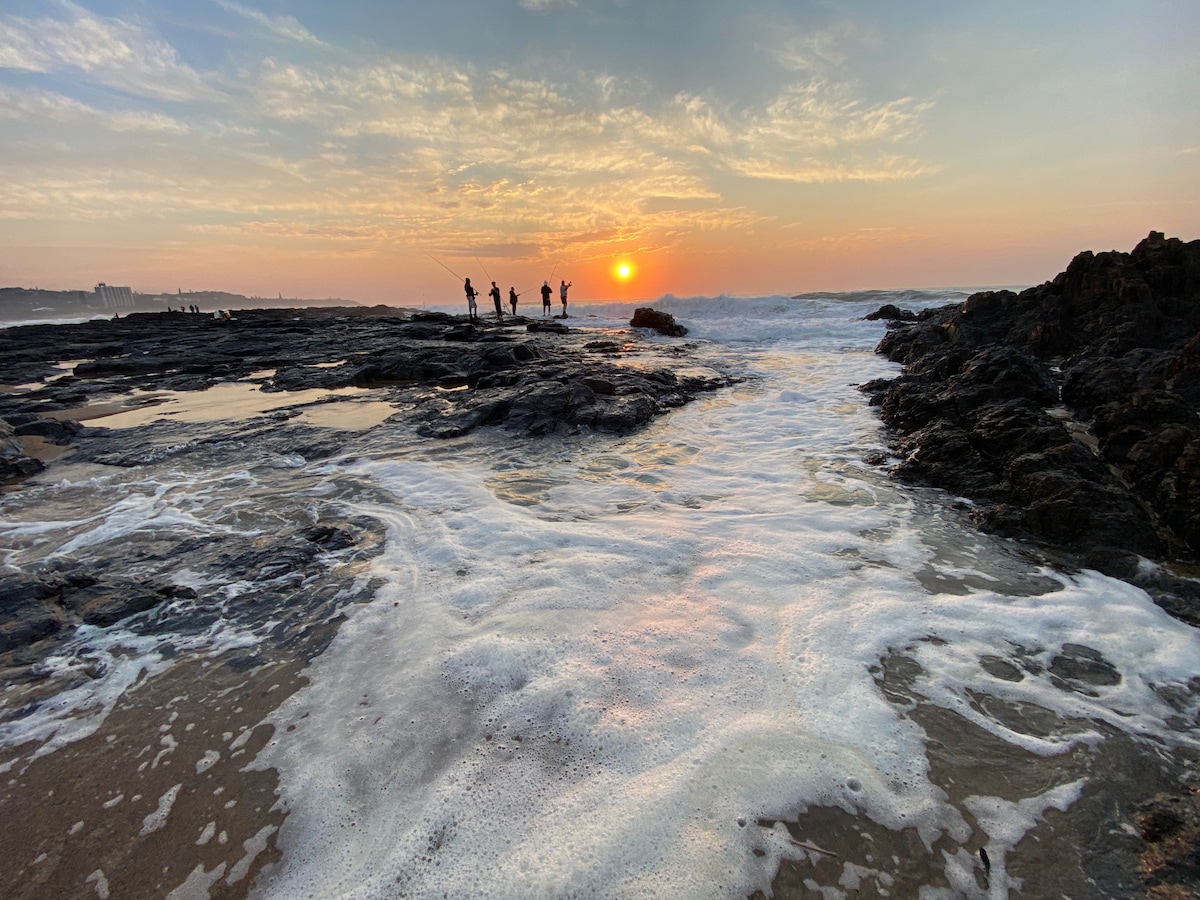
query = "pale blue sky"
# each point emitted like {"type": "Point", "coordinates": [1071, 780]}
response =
{"type": "Point", "coordinates": [317, 149]}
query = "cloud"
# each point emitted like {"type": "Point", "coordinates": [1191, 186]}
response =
{"type": "Point", "coordinates": [113, 52]}
{"type": "Point", "coordinates": [33, 106]}
{"type": "Point", "coordinates": [285, 27]}
{"type": "Point", "coordinates": [811, 131]}
{"type": "Point", "coordinates": [542, 5]}
{"type": "Point", "coordinates": [391, 150]}
{"type": "Point", "coordinates": [821, 132]}
{"type": "Point", "coordinates": [817, 51]}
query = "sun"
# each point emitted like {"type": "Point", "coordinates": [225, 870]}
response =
{"type": "Point", "coordinates": [623, 270]}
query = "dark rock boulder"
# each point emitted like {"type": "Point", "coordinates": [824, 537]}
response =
{"type": "Point", "coordinates": [892, 313]}
{"type": "Point", "coordinates": [663, 323]}
{"type": "Point", "coordinates": [35, 607]}
{"type": "Point", "coordinates": [57, 431]}
{"type": "Point", "coordinates": [14, 463]}
{"type": "Point", "coordinates": [107, 603]}
{"type": "Point", "coordinates": [28, 610]}
{"type": "Point", "coordinates": [546, 326]}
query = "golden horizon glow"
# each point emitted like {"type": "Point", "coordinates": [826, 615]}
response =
{"type": "Point", "coordinates": [819, 147]}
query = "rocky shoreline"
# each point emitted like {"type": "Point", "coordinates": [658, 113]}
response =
{"type": "Point", "coordinates": [528, 375]}
{"type": "Point", "coordinates": [444, 374]}
{"type": "Point", "coordinates": [295, 570]}
{"type": "Point", "coordinates": [1067, 415]}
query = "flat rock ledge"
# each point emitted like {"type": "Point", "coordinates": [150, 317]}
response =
{"type": "Point", "coordinates": [1067, 414]}
{"type": "Point", "coordinates": [447, 374]}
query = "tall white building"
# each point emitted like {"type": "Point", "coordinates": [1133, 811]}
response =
{"type": "Point", "coordinates": [114, 297]}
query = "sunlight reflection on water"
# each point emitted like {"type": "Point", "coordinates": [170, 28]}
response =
{"type": "Point", "coordinates": [231, 401]}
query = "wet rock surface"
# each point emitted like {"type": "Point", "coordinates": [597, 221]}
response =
{"type": "Point", "coordinates": [1170, 826]}
{"type": "Point", "coordinates": [531, 376]}
{"type": "Point", "coordinates": [211, 622]}
{"type": "Point", "coordinates": [444, 375]}
{"type": "Point", "coordinates": [1066, 414]}
{"type": "Point", "coordinates": [663, 323]}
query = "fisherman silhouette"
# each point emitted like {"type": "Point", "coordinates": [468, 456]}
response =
{"type": "Point", "coordinates": [546, 292]}
{"type": "Point", "coordinates": [494, 293]}
{"type": "Point", "coordinates": [562, 293]}
{"type": "Point", "coordinates": [471, 294]}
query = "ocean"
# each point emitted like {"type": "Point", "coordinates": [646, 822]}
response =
{"type": "Point", "coordinates": [724, 654]}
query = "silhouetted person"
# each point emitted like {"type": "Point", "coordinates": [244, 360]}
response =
{"type": "Point", "coordinates": [512, 299]}
{"type": "Point", "coordinates": [562, 293]}
{"type": "Point", "coordinates": [546, 292]}
{"type": "Point", "coordinates": [494, 293]}
{"type": "Point", "coordinates": [471, 294]}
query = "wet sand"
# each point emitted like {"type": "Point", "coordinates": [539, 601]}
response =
{"type": "Point", "coordinates": [157, 802]}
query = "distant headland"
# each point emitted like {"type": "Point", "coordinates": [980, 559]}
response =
{"type": "Point", "coordinates": [19, 304]}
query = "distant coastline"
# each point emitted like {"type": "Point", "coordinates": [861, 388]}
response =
{"type": "Point", "coordinates": [27, 305]}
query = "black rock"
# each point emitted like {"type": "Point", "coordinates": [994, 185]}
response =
{"type": "Point", "coordinates": [1069, 412]}
{"type": "Point", "coordinates": [892, 313]}
{"type": "Point", "coordinates": [663, 323]}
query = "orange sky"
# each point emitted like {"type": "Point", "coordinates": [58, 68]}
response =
{"type": "Point", "coordinates": [746, 149]}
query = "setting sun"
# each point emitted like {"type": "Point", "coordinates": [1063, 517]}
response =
{"type": "Point", "coordinates": [623, 271]}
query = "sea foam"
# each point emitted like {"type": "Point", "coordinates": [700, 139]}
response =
{"type": "Point", "coordinates": [597, 664]}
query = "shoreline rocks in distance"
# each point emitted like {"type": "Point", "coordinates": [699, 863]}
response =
{"type": "Point", "coordinates": [1066, 414]}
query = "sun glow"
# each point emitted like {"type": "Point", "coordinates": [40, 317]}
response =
{"type": "Point", "coordinates": [623, 271]}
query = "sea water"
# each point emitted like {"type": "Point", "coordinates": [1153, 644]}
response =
{"type": "Point", "coordinates": [620, 666]}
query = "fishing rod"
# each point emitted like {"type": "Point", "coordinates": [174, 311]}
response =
{"type": "Point", "coordinates": [548, 280]}
{"type": "Point", "coordinates": [442, 264]}
{"type": "Point", "coordinates": [485, 271]}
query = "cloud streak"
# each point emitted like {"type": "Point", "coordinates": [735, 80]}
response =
{"type": "Point", "coordinates": [112, 52]}
{"type": "Point", "coordinates": [285, 27]}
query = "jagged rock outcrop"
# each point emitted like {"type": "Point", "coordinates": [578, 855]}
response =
{"type": "Point", "coordinates": [1070, 412]}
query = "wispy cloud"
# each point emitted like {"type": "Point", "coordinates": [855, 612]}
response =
{"type": "Point", "coordinates": [286, 27]}
{"type": "Point", "coordinates": [540, 5]}
{"type": "Point", "coordinates": [818, 50]}
{"type": "Point", "coordinates": [113, 52]}
{"type": "Point", "coordinates": [31, 106]}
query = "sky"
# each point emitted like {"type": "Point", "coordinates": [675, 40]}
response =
{"type": "Point", "coordinates": [381, 150]}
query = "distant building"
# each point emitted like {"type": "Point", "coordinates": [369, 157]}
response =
{"type": "Point", "coordinates": [114, 297]}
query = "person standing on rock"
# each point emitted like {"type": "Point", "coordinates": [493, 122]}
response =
{"type": "Point", "coordinates": [494, 293]}
{"type": "Point", "coordinates": [512, 298]}
{"type": "Point", "coordinates": [562, 294]}
{"type": "Point", "coordinates": [471, 294]}
{"type": "Point", "coordinates": [546, 292]}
